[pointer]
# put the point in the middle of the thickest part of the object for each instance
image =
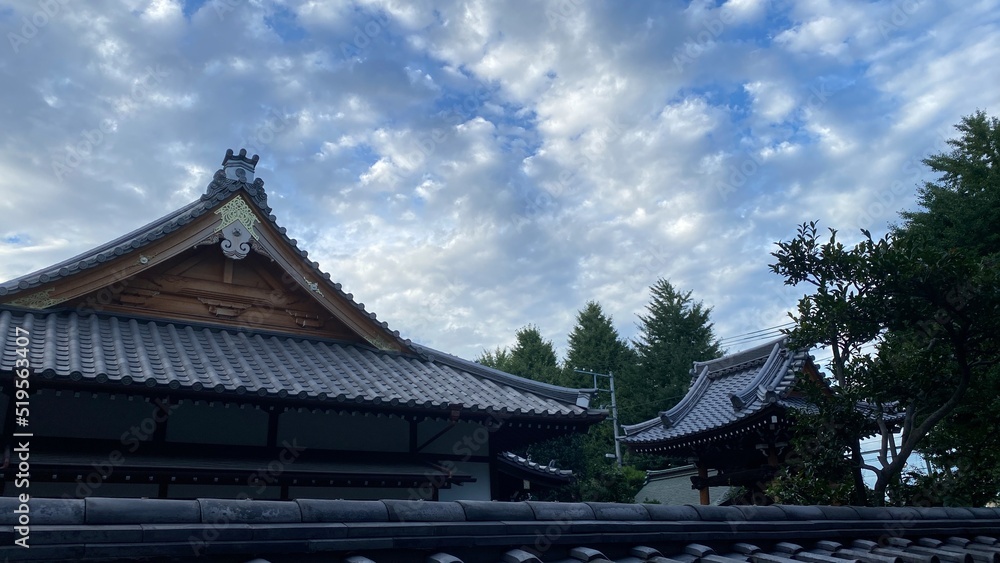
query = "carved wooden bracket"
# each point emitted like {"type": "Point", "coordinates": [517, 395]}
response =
{"type": "Point", "coordinates": [305, 320]}
{"type": "Point", "coordinates": [225, 309]}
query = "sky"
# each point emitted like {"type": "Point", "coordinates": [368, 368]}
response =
{"type": "Point", "coordinates": [469, 168]}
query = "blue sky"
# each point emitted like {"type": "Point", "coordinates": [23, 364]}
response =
{"type": "Point", "coordinates": [467, 168]}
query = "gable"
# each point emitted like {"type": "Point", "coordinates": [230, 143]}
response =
{"type": "Point", "coordinates": [222, 259]}
{"type": "Point", "coordinates": [202, 285]}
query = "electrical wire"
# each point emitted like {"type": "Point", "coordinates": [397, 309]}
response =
{"type": "Point", "coordinates": [768, 329]}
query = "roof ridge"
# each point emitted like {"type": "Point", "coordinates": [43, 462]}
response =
{"type": "Point", "coordinates": [764, 378]}
{"type": "Point", "coordinates": [525, 462]}
{"type": "Point", "coordinates": [745, 355]}
{"type": "Point", "coordinates": [545, 389]}
{"type": "Point", "coordinates": [670, 417]}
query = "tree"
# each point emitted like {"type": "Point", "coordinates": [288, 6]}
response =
{"type": "Point", "coordinates": [674, 333]}
{"type": "Point", "coordinates": [534, 357]}
{"type": "Point", "coordinates": [595, 345]}
{"type": "Point", "coordinates": [841, 315]}
{"type": "Point", "coordinates": [531, 356]}
{"type": "Point", "coordinates": [911, 319]}
{"type": "Point", "coordinates": [960, 213]}
{"type": "Point", "coordinates": [498, 358]}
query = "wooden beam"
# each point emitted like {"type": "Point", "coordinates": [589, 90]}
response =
{"type": "Point", "coordinates": [162, 412]}
{"type": "Point", "coordinates": [703, 492]}
{"type": "Point", "coordinates": [273, 414]}
{"type": "Point", "coordinates": [413, 436]}
{"type": "Point", "coordinates": [227, 271]}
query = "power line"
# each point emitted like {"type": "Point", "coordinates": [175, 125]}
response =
{"type": "Point", "coordinates": [763, 330]}
{"type": "Point", "coordinates": [766, 336]}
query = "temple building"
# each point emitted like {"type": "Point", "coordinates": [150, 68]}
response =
{"type": "Point", "coordinates": [204, 355]}
{"type": "Point", "coordinates": [733, 423]}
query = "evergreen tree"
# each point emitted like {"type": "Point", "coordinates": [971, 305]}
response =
{"type": "Point", "coordinates": [594, 345]}
{"type": "Point", "coordinates": [498, 358]}
{"type": "Point", "coordinates": [960, 214]}
{"type": "Point", "coordinates": [531, 356]}
{"type": "Point", "coordinates": [534, 357]}
{"type": "Point", "coordinates": [674, 333]}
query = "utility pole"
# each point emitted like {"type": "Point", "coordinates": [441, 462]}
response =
{"type": "Point", "coordinates": [614, 408]}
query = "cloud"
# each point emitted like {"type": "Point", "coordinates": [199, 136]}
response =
{"type": "Point", "coordinates": [466, 168]}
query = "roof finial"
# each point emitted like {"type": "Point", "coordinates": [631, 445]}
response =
{"type": "Point", "coordinates": [239, 167]}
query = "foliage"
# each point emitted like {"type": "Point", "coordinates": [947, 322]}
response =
{"type": "Point", "coordinates": [674, 333]}
{"type": "Point", "coordinates": [911, 320]}
{"type": "Point", "coordinates": [594, 345]}
{"type": "Point", "coordinates": [498, 358]}
{"type": "Point", "coordinates": [818, 470]}
{"type": "Point", "coordinates": [531, 356]}
{"type": "Point", "coordinates": [961, 214]}
{"type": "Point", "coordinates": [613, 484]}
{"type": "Point", "coordinates": [964, 450]}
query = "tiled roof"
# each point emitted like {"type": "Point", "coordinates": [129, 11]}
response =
{"type": "Point", "coordinates": [108, 529]}
{"type": "Point", "coordinates": [725, 391]}
{"type": "Point", "coordinates": [102, 348]}
{"type": "Point", "coordinates": [218, 191]}
{"type": "Point", "coordinates": [536, 468]}
{"type": "Point", "coordinates": [236, 468]}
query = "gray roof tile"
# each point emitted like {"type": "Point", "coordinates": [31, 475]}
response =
{"type": "Point", "coordinates": [534, 467]}
{"type": "Point", "coordinates": [723, 392]}
{"type": "Point", "coordinates": [380, 531]}
{"type": "Point", "coordinates": [130, 351]}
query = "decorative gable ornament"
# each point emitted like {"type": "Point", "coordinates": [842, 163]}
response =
{"type": "Point", "coordinates": [236, 228]}
{"type": "Point", "coordinates": [37, 300]}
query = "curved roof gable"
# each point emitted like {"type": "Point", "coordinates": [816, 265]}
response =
{"type": "Point", "coordinates": [234, 202]}
{"type": "Point", "coordinates": [725, 391]}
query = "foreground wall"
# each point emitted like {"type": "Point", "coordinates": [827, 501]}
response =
{"type": "Point", "coordinates": [479, 531]}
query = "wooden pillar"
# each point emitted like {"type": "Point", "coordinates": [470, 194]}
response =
{"type": "Point", "coordinates": [772, 455]}
{"type": "Point", "coordinates": [413, 435]}
{"type": "Point", "coordinates": [703, 491]}
{"type": "Point", "coordinates": [273, 418]}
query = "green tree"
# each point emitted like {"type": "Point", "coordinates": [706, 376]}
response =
{"type": "Point", "coordinates": [841, 315]}
{"type": "Point", "coordinates": [673, 334]}
{"type": "Point", "coordinates": [595, 345]}
{"type": "Point", "coordinates": [534, 357]}
{"type": "Point", "coordinates": [498, 358]}
{"type": "Point", "coordinates": [960, 214]}
{"type": "Point", "coordinates": [531, 356]}
{"type": "Point", "coordinates": [911, 319]}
